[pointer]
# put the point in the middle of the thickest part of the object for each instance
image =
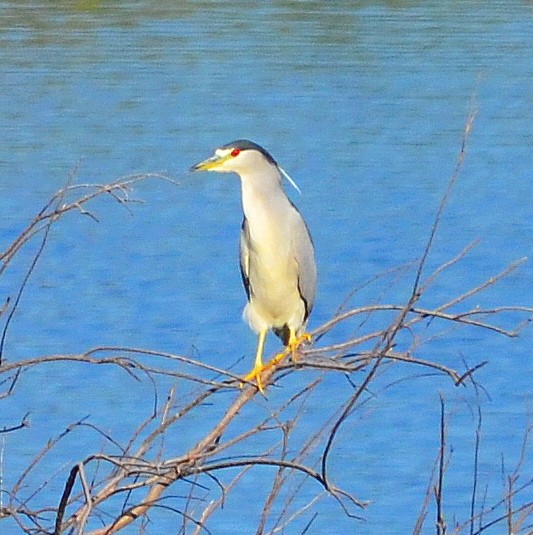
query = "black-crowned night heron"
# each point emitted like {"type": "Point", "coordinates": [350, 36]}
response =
{"type": "Point", "coordinates": [277, 257]}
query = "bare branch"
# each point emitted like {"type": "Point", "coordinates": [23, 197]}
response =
{"type": "Point", "coordinates": [25, 422]}
{"type": "Point", "coordinates": [106, 491]}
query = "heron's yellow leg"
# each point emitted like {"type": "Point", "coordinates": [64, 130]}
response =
{"type": "Point", "coordinates": [295, 342]}
{"type": "Point", "coordinates": [259, 367]}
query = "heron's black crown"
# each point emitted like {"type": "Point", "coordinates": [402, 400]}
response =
{"type": "Point", "coordinates": [245, 144]}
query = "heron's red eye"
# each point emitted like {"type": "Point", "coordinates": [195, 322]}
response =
{"type": "Point", "coordinates": [235, 152]}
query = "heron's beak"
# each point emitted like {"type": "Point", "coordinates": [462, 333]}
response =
{"type": "Point", "coordinates": [211, 163]}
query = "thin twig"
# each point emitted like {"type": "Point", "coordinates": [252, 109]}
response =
{"type": "Point", "coordinates": [439, 489]}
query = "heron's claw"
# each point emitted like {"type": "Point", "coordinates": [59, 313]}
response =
{"type": "Point", "coordinates": [296, 342]}
{"type": "Point", "coordinates": [292, 349]}
{"type": "Point", "coordinates": [255, 376]}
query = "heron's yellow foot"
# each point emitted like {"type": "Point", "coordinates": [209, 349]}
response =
{"type": "Point", "coordinates": [291, 349]}
{"type": "Point", "coordinates": [255, 376]}
{"type": "Point", "coordinates": [296, 342]}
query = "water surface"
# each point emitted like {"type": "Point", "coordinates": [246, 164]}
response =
{"type": "Point", "coordinates": [364, 104]}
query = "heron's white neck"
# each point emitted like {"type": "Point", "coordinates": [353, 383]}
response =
{"type": "Point", "coordinates": [262, 194]}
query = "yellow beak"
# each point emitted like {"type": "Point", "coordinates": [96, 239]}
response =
{"type": "Point", "coordinates": [211, 163]}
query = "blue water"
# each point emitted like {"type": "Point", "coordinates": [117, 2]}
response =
{"type": "Point", "coordinates": [364, 104]}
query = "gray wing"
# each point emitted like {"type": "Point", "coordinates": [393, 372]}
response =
{"type": "Point", "coordinates": [245, 257]}
{"type": "Point", "coordinates": [304, 253]}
